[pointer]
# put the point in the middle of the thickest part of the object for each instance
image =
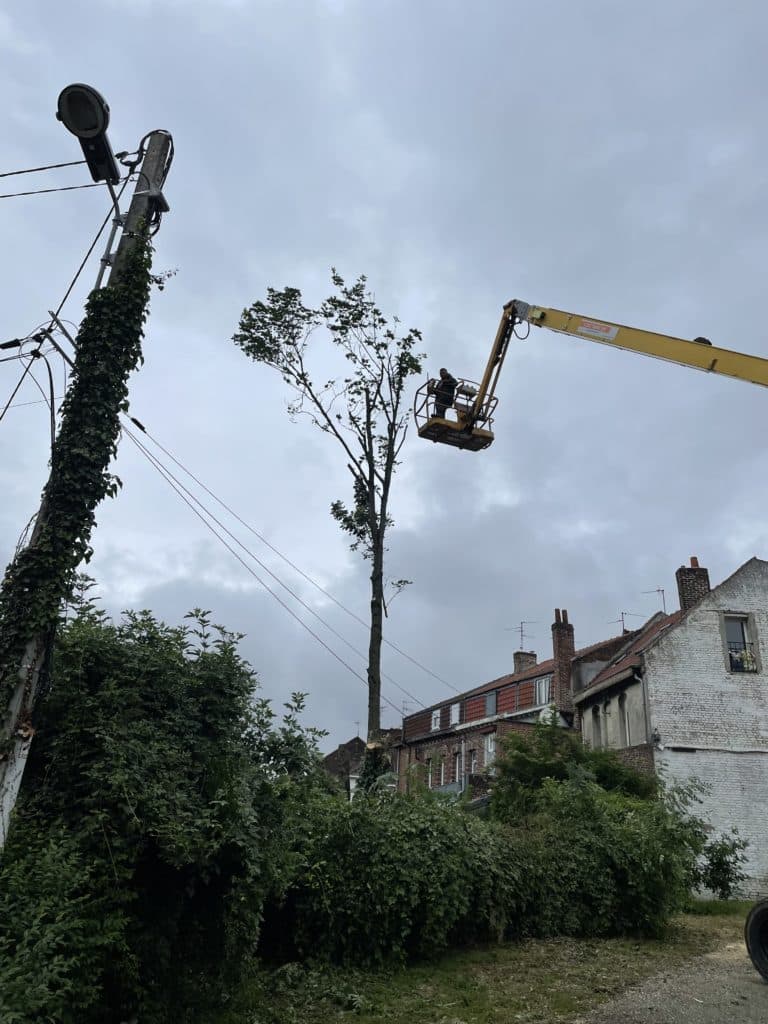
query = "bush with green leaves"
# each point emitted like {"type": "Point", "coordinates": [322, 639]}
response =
{"type": "Point", "coordinates": [156, 816]}
{"type": "Point", "coordinates": [392, 877]}
{"type": "Point", "coordinates": [397, 877]}
{"type": "Point", "coordinates": [548, 751]}
{"type": "Point", "coordinates": [526, 790]}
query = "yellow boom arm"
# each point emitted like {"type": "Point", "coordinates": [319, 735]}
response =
{"type": "Point", "coordinates": [472, 425]}
{"type": "Point", "coordinates": [699, 354]}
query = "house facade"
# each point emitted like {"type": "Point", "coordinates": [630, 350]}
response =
{"type": "Point", "coordinates": [688, 696]}
{"type": "Point", "coordinates": [451, 745]}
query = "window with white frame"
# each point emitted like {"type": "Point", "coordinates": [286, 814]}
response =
{"type": "Point", "coordinates": [442, 771]}
{"type": "Point", "coordinates": [455, 713]}
{"type": "Point", "coordinates": [490, 704]}
{"type": "Point", "coordinates": [436, 719]}
{"type": "Point", "coordinates": [473, 762]}
{"type": "Point", "coordinates": [429, 772]}
{"type": "Point", "coordinates": [490, 747]}
{"type": "Point", "coordinates": [740, 644]}
{"type": "Point", "coordinates": [457, 766]}
{"type": "Point", "coordinates": [543, 689]}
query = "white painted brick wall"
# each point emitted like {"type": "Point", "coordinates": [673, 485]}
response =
{"type": "Point", "coordinates": [738, 798]}
{"type": "Point", "coordinates": [694, 701]}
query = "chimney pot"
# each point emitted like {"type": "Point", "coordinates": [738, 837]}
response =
{"type": "Point", "coordinates": [692, 584]}
{"type": "Point", "coordinates": [563, 650]}
{"type": "Point", "coordinates": [524, 660]}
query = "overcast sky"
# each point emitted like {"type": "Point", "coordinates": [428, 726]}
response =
{"type": "Point", "coordinates": [606, 158]}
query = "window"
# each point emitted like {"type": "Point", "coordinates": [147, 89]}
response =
{"type": "Point", "coordinates": [473, 762]}
{"type": "Point", "coordinates": [436, 719]}
{"type": "Point", "coordinates": [442, 771]}
{"type": "Point", "coordinates": [597, 740]}
{"type": "Point", "coordinates": [490, 704]}
{"type": "Point", "coordinates": [542, 686]}
{"type": "Point", "coordinates": [457, 766]}
{"type": "Point", "coordinates": [490, 747]}
{"type": "Point", "coordinates": [741, 649]}
{"type": "Point", "coordinates": [455, 713]}
{"type": "Point", "coordinates": [429, 772]}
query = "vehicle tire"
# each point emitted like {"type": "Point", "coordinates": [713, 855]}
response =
{"type": "Point", "coordinates": [756, 937]}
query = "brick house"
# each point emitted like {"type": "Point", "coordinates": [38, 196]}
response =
{"type": "Point", "coordinates": [451, 744]}
{"type": "Point", "coordinates": [688, 695]}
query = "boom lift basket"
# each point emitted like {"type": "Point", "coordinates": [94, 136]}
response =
{"type": "Point", "coordinates": [459, 427]}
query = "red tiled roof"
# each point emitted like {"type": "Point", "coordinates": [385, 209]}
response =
{"type": "Point", "coordinates": [627, 637]}
{"type": "Point", "coordinates": [632, 656]}
{"type": "Point", "coordinates": [532, 672]}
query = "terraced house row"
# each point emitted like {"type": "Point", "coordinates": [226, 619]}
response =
{"type": "Point", "coordinates": [686, 693]}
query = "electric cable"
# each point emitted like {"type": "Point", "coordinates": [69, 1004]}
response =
{"type": "Point", "coordinates": [47, 167]}
{"type": "Point", "coordinates": [85, 259]}
{"type": "Point", "coordinates": [37, 401]}
{"type": "Point", "coordinates": [27, 368]}
{"type": "Point", "coordinates": [49, 399]}
{"type": "Point", "coordinates": [61, 188]}
{"type": "Point", "coordinates": [275, 577]}
{"type": "Point", "coordinates": [245, 565]}
{"type": "Point", "coordinates": [287, 560]}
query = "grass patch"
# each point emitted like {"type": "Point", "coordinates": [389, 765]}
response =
{"type": "Point", "coordinates": [530, 982]}
{"type": "Point", "coordinates": [720, 908]}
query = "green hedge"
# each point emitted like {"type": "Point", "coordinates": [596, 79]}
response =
{"type": "Point", "coordinates": [393, 877]}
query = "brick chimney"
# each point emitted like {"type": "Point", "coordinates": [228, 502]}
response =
{"type": "Point", "coordinates": [563, 650]}
{"type": "Point", "coordinates": [524, 660]}
{"type": "Point", "coordinates": [692, 584]}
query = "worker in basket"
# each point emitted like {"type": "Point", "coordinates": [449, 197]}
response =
{"type": "Point", "coordinates": [443, 390]}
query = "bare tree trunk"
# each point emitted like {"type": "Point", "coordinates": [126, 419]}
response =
{"type": "Point", "coordinates": [374, 644]}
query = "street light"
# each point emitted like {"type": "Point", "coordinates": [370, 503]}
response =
{"type": "Point", "coordinates": [84, 112]}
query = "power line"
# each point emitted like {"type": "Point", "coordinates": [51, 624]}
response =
{"type": "Point", "coordinates": [37, 401]}
{"type": "Point", "coordinates": [49, 399]}
{"type": "Point", "coordinates": [27, 368]}
{"type": "Point", "coordinates": [85, 259]}
{"type": "Point", "coordinates": [47, 167]}
{"type": "Point", "coordinates": [61, 188]}
{"type": "Point", "coordinates": [245, 565]}
{"type": "Point", "coordinates": [275, 577]}
{"type": "Point", "coordinates": [287, 560]}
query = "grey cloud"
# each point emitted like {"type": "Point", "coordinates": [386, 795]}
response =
{"type": "Point", "coordinates": [598, 157]}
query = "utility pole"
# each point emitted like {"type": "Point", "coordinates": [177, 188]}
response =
{"type": "Point", "coordinates": [20, 678]}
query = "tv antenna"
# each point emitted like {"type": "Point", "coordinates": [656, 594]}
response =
{"type": "Point", "coordinates": [621, 619]}
{"type": "Point", "coordinates": [658, 590]}
{"type": "Point", "coordinates": [521, 630]}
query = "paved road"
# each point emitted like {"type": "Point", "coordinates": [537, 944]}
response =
{"type": "Point", "coordinates": [718, 988]}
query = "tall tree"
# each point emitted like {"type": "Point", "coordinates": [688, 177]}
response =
{"type": "Point", "coordinates": [364, 411]}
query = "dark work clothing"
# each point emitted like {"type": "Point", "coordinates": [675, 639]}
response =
{"type": "Point", "coordinates": [444, 392]}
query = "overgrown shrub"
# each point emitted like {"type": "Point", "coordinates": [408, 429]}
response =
{"type": "Point", "coordinates": [394, 877]}
{"type": "Point", "coordinates": [155, 817]}
{"type": "Point", "coordinates": [526, 761]}
{"type": "Point", "coordinates": [389, 877]}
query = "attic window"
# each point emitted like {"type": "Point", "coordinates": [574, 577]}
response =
{"type": "Point", "coordinates": [543, 689]}
{"type": "Point", "coordinates": [740, 643]}
{"type": "Point", "coordinates": [490, 704]}
{"type": "Point", "coordinates": [436, 719]}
